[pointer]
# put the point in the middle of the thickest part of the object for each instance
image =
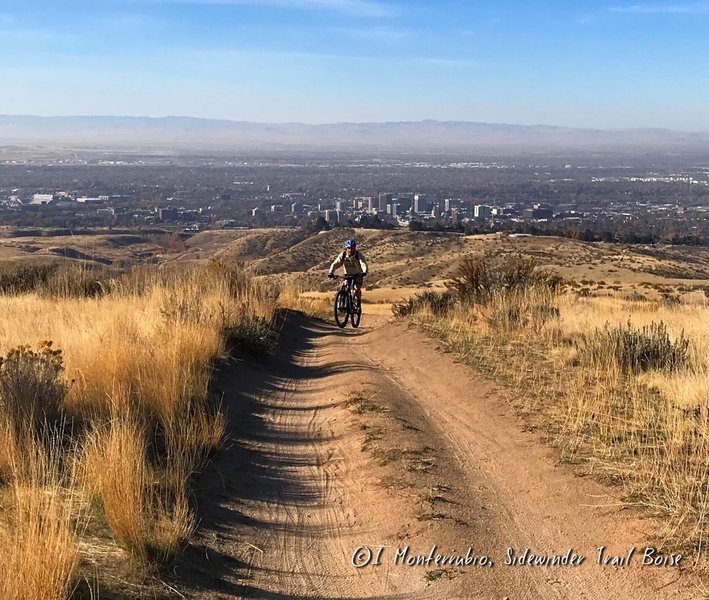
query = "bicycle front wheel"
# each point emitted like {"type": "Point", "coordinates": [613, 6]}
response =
{"type": "Point", "coordinates": [342, 308]}
{"type": "Point", "coordinates": [356, 314]}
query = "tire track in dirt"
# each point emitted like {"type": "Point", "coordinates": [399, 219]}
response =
{"type": "Point", "coordinates": [284, 506]}
{"type": "Point", "coordinates": [531, 502]}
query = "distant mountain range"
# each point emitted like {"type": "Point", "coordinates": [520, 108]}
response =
{"type": "Point", "coordinates": [212, 134]}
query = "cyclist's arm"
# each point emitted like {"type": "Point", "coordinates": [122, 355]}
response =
{"type": "Point", "coordinates": [363, 264]}
{"type": "Point", "coordinates": [336, 264]}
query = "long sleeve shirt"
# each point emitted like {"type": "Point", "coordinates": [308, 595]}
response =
{"type": "Point", "coordinates": [353, 265]}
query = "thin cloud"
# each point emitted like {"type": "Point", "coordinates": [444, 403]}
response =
{"type": "Point", "coordinates": [359, 8]}
{"type": "Point", "coordinates": [226, 55]}
{"type": "Point", "coordinates": [33, 35]}
{"type": "Point", "coordinates": [695, 8]}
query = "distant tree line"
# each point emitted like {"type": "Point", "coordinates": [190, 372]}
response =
{"type": "Point", "coordinates": [649, 233]}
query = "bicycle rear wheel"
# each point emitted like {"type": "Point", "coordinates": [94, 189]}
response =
{"type": "Point", "coordinates": [342, 308]}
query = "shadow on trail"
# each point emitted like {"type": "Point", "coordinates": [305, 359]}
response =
{"type": "Point", "coordinates": [250, 471]}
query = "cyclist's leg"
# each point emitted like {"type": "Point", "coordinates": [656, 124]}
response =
{"type": "Point", "coordinates": [358, 290]}
{"type": "Point", "coordinates": [343, 300]}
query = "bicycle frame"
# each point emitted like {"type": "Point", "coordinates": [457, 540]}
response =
{"type": "Point", "coordinates": [348, 284]}
{"type": "Point", "coordinates": [345, 307]}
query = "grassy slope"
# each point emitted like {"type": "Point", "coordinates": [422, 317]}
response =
{"type": "Point", "coordinates": [126, 378]}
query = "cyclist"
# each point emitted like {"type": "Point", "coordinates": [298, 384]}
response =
{"type": "Point", "coordinates": [352, 260]}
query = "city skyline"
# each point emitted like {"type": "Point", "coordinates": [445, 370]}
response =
{"type": "Point", "coordinates": [604, 65]}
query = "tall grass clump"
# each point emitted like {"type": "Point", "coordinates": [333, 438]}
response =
{"type": "Point", "coordinates": [40, 526]}
{"type": "Point", "coordinates": [54, 280]}
{"type": "Point", "coordinates": [148, 514]}
{"type": "Point", "coordinates": [23, 278]}
{"type": "Point", "coordinates": [123, 391]}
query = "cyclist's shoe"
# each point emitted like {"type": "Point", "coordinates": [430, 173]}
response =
{"type": "Point", "coordinates": [331, 276]}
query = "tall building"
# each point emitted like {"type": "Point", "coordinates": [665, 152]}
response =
{"type": "Point", "coordinates": [384, 199]}
{"type": "Point", "coordinates": [167, 214]}
{"type": "Point", "coordinates": [538, 211]}
{"type": "Point", "coordinates": [421, 204]}
{"type": "Point", "coordinates": [482, 211]}
{"type": "Point", "coordinates": [363, 202]}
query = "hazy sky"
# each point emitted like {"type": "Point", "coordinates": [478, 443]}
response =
{"type": "Point", "coordinates": [587, 64]}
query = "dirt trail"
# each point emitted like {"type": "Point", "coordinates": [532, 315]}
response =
{"type": "Point", "coordinates": [425, 453]}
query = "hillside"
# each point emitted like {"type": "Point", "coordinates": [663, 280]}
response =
{"type": "Point", "coordinates": [509, 413]}
{"type": "Point", "coordinates": [398, 259]}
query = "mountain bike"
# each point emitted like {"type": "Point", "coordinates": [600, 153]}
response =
{"type": "Point", "coordinates": [346, 305]}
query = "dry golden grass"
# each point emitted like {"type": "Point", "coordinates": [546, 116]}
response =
{"type": "Point", "coordinates": [146, 509]}
{"type": "Point", "coordinates": [133, 411]}
{"type": "Point", "coordinates": [646, 429]}
{"type": "Point", "coordinates": [117, 473]}
{"type": "Point", "coordinates": [40, 526]}
{"type": "Point", "coordinates": [294, 295]}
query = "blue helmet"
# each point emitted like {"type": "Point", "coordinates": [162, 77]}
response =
{"type": "Point", "coordinates": [351, 244]}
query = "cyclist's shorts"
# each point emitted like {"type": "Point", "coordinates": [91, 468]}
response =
{"type": "Point", "coordinates": [359, 279]}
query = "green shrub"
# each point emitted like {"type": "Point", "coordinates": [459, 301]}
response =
{"type": "Point", "coordinates": [635, 297]}
{"type": "Point", "coordinates": [31, 388]}
{"type": "Point", "coordinates": [520, 314]}
{"type": "Point", "coordinates": [635, 350]}
{"type": "Point", "coordinates": [671, 300]}
{"type": "Point", "coordinates": [251, 333]}
{"type": "Point", "coordinates": [479, 278]}
{"type": "Point", "coordinates": [439, 303]}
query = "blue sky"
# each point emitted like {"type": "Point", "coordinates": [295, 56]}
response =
{"type": "Point", "coordinates": [585, 64]}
